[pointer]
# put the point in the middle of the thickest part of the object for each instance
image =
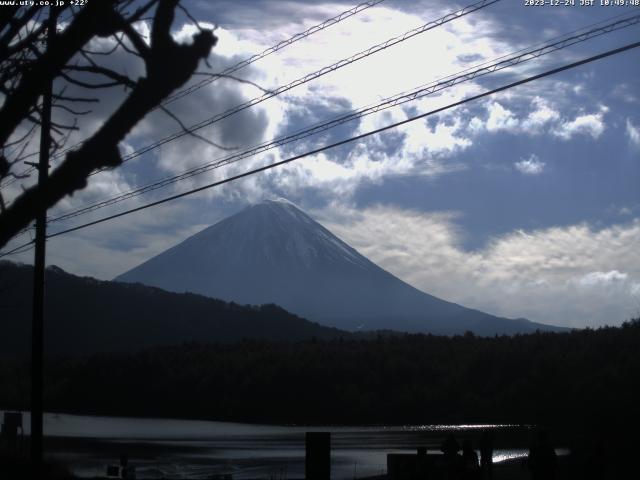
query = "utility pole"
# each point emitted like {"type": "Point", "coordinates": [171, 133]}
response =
{"type": "Point", "coordinates": [37, 326]}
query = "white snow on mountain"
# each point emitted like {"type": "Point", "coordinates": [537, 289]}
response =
{"type": "Point", "coordinates": [273, 252]}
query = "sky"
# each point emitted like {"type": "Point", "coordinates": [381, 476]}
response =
{"type": "Point", "coordinates": [521, 204]}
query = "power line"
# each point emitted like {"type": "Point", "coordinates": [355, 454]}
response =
{"type": "Point", "coordinates": [342, 142]}
{"type": "Point", "coordinates": [25, 247]}
{"type": "Point", "coordinates": [14, 179]}
{"type": "Point", "coordinates": [238, 66]}
{"type": "Point", "coordinates": [352, 139]}
{"type": "Point", "coordinates": [399, 99]}
{"type": "Point", "coordinates": [332, 21]}
{"type": "Point", "coordinates": [25, 172]}
{"type": "Point", "coordinates": [309, 77]}
{"type": "Point", "coordinates": [254, 58]}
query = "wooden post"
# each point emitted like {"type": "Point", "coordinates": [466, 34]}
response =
{"type": "Point", "coordinates": [37, 328]}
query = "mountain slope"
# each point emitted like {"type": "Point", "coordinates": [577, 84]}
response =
{"type": "Point", "coordinates": [273, 252]}
{"type": "Point", "coordinates": [84, 315]}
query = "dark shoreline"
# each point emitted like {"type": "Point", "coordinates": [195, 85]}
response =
{"type": "Point", "coordinates": [145, 451]}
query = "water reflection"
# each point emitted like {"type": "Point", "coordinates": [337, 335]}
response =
{"type": "Point", "coordinates": [197, 449]}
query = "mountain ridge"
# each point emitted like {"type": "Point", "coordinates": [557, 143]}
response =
{"type": "Point", "coordinates": [84, 315]}
{"type": "Point", "coordinates": [273, 252]}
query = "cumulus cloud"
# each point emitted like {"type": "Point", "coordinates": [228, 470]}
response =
{"type": "Point", "coordinates": [541, 115]}
{"type": "Point", "coordinates": [530, 166]}
{"type": "Point", "coordinates": [444, 139]}
{"type": "Point", "coordinates": [420, 148]}
{"type": "Point", "coordinates": [537, 117]}
{"type": "Point", "coordinates": [590, 124]}
{"type": "Point", "coordinates": [499, 119]}
{"type": "Point", "coordinates": [575, 276]}
{"type": "Point", "coordinates": [540, 118]}
{"type": "Point", "coordinates": [99, 187]}
{"type": "Point", "coordinates": [633, 132]}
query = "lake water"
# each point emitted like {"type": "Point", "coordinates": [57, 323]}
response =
{"type": "Point", "coordinates": [198, 449]}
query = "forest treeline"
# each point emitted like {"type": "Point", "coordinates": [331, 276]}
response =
{"type": "Point", "coordinates": [544, 379]}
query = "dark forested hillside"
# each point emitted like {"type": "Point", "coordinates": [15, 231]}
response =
{"type": "Point", "coordinates": [581, 385]}
{"type": "Point", "coordinates": [545, 378]}
{"type": "Point", "coordinates": [84, 315]}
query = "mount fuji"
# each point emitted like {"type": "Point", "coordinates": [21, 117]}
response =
{"type": "Point", "coordinates": [272, 252]}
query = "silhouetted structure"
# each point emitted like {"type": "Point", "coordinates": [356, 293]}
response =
{"type": "Point", "coordinates": [12, 433]}
{"type": "Point", "coordinates": [486, 455]}
{"type": "Point", "coordinates": [596, 464]}
{"type": "Point", "coordinates": [542, 460]}
{"type": "Point", "coordinates": [123, 471]}
{"type": "Point", "coordinates": [470, 464]}
{"type": "Point", "coordinates": [11, 424]}
{"type": "Point", "coordinates": [318, 456]}
{"type": "Point", "coordinates": [407, 466]}
{"type": "Point", "coordinates": [588, 460]}
{"type": "Point", "coordinates": [450, 447]}
{"type": "Point", "coordinates": [453, 462]}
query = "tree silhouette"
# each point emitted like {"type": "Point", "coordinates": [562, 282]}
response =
{"type": "Point", "coordinates": [27, 63]}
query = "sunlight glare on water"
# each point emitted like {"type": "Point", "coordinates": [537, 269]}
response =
{"type": "Point", "coordinates": [173, 448]}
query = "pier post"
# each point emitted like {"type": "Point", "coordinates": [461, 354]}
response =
{"type": "Point", "coordinates": [318, 456]}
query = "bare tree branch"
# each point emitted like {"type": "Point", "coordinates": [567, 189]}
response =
{"type": "Point", "coordinates": [190, 17]}
{"type": "Point", "coordinates": [94, 86]}
{"type": "Point", "coordinates": [20, 156]}
{"type": "Point", "coordinates": [168, 65]}
{"type": "Point", "coordinates": [235, 79]}
{"type": "Point", "coordinates": [3, 163]}
{"type": "Point", "coordinates": [15, 25]}
{"type": "Point", "coordinates": [137, 16]}
{"type": "Point", "coordinates": [117, 77]}
{"type": "Point", "coordinates": [70, 110]}
{"type": "Point", "coordinates": [96, 18]}
{"type": "Point", "coordinates": [60, 145]}
{"type": "Point", "coordinates": [21, 139]}
{"type": "Point", "coordinates": [136, 40]}
{"type": "Point", "coordinates": [23, 43]}
{"type": "Point", "coordinates": [76, 99]}
{"type": "Point", "coordinates": [193, 134]}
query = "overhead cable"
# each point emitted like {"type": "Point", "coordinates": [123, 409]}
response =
{"type": "Point", "coordinates": [234, 68]}
{"type": "Point", "coordinates": [420, 92]}
{"type": "Point", "coordinates": [307, 78]}
{"type": "Point", "coordinates": [353, 139]}
{"type": "Point", "coordinates": [342, 142]}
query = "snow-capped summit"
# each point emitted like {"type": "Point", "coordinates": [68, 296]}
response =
{"type": "Point", "coordinates": [273, 252]}
{"type": "Point", "coordinates": [281, 200]}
